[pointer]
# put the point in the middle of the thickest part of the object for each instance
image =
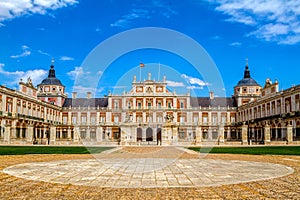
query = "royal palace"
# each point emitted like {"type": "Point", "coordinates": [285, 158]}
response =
{"type": "Point", "coordinates": [149, 114]}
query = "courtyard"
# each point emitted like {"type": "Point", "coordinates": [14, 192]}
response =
{"type": "Point", "coordinates": [149, 173]}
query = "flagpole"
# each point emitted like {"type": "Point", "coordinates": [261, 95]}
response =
{"type": "Point", "coordinates": [140, 73]}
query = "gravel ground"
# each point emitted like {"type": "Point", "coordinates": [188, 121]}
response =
{"type": "Point", "coordinates": [287, 187]}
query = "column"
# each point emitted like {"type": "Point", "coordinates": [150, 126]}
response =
{"type": "Point", "coordinates": [97, 118]}
{"type": "Point", "coordinates": [209, 118]}
{"type": "Point", "coordinates": [289, 133]}
{"type": "Point", "coordinates": [134, 103]}
{"type": "Point", "coordinates": [7, 134]}
{"type": "Point", "coordinates": [69, 134]}
{"type": "Point", "coordinates": [52, 134]}
{"type": "Point", "coordinates": [4, 103]}
{"type": "Point", "coordinates": [14, 106]}
{"type": "Point", "coordinates": [30, 133]}
{"type": "Point", "coordinates": [144, 117]}
{"type": "Point", "coordinates": [154, 117]}
{"type": "Point", "coordinates": [209, 132]}
{"type": "Point", "coordinates": [69, 122]}
{"type": "Point", "coordinates": [88, 133]}
{"type": "Point", "coordinates": [198, 135]}
{"type": "Point", "coordinates": [200, 118]}
{"type": "Point", "coordinates": [99, 132]}
{"type": "Point", "coordinates": [144, 103]}
{"type": "Point", "coordinates": [88, 118]}
{"type": "Point", "coordinates": [134, 117]}
{"type": "Point", "coordinates": [228, 133]}
{"type": "Point", "coordinates": [221, 134]}
{"type": "Point", "coordinates": [244, 133]}
{"type": "Point", "coordinates": [267, 133]}
{"type": "Point", "coordinates": [76, 134]}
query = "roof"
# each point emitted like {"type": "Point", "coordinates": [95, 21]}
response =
{"type": "Point", "coordinates": [51, 79]}
{"type": "Point", "coordinates": [215, 102]}
{"type": "Point", "coordinates": [85, 102]}
{"type": "Point", "coordinates": [247, 80]}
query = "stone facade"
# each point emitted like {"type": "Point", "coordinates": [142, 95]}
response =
{"type": "Point", "coordinates": [149, 114]}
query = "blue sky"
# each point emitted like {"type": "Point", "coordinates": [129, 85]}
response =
{"type": "Point", "coordinates": [34, 31]}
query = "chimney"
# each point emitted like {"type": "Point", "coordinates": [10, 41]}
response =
{"type": "Point", "coordinates": [74, 94]}
{"type": "Point", "coordinates": [149, 76]}
{"type": "Point", "coordinates": [88, 95]}
{"type": "Point", "coordinates": [211, 95]}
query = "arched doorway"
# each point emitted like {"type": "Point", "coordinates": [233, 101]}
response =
{"type": "Point", "coordinates": [149, 134]}
{"type": "Point", "coordinates": [139, 134]}
{"type": "Point", "coordinates": [158, 136]}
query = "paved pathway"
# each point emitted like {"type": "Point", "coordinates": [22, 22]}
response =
{"type": "Point", "coordinates": [147, 168]}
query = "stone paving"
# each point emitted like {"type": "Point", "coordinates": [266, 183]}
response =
{"type": "Point", "coordinates": [181, 175]}
{"type": "Point", "coordinates": [148, 172]}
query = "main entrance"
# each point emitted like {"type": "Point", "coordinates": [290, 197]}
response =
{"type": "Point", "coordinates": [149, 134]}
{"type": "Point", "coordinates": [158, 136]}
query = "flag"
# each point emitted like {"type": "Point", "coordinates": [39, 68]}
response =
{"type": "Point", "coordinates": [142, 65]}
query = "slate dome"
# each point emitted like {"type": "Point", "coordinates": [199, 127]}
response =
{"type": "Point", "coordinates": [51, 79]}
{"type": "Point", "coordinates": [247, 80]}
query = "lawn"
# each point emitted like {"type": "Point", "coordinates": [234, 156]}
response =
{"type": "Point", "coordinates": [265, 150]}
{"type": "Point", "coordinates": [22, 150]}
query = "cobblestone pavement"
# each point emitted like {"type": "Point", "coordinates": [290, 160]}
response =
{"type": "Point", "coordinates": [190, 177]}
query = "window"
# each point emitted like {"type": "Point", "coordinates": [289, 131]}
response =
{"type": "Point", "coordinates": [205, 120]}
{"type": "Point", "coordinates": [116, 105]}
{"type": "Point", "coordinates": [195, 119]}
{"type": "Point", "coordinates": [182, 119]}
{"type": "Point", "coordinates": [102, 119]}
{"type": "Point", "coordinates": [159, 119]}
{"type": "Point", "coordinates": [223, 119]}
{"type": "Point", "coordinates": [159, 104]}
{"type": "Point", "coordinates": [93, 120]}
{"type": "Point", "coordinates": [181, 105]}
{"type": "Point", "coordinates": [74, 120]}
{"type": "Point", "coordinates": [65, 120]}
{"type": "Point", "coordinates": [181, 135]}
{"type": "Point", "coordinates": [83, 120]}
{"type": "Point", "coordinates": [139, 105]}
{"type": "Point", "coordinates": [93, 135]}
{"type": "Point", "coordinates": [214, 120]}
{"type": "Point", "coordinates": [83, 134]}
{"type": "Point", "coordinates": [149, 105]}
{"type": "Point", "coordinates": [116, 119]}
{"type": "Point", "coordinates": [169, 104]}
{"type": "Point", "coordinates": [232, 119]}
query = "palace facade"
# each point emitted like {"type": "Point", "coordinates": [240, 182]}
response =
{"type": "Point", "coordinates": [149, 114]}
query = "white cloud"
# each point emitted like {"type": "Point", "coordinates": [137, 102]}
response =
{"type": "Point", "coordinates": [12, 78]}
{"type": "Point", "coordinates": [274, 21]}
{"type": "Point", "coordinates": [10, 9]}
{"type": "Point", "coordinates": [43, 53]}
{"type": "Point", "coordinates": [216, 37]}
{"type": "Point", "coordinates": [134, 14]}
{"type": "Point", "coordinates": [194, 81]}
{"type": "Point", "coordinates": [26, 52]}
{"type": "Point", "coordinates": [145, 11]}
{"type": "Point", "coordinates": [77, 72]}
{"type": "Point", "coordinates": [66, 58]}
{"type": "Point", "coordinates": [193, 87]}
{"type": "Point", "coordinates": [174, 83]}
{"type": "Point", "coordinates": [235, 44]}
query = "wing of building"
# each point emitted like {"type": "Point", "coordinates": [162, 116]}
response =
{"type": "Point", "coordinates": [149, 114]}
